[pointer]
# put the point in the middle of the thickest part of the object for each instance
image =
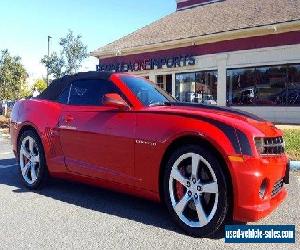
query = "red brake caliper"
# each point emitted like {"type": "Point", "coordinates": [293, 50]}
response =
{"type": "Point", "coordinates": [180, 189]}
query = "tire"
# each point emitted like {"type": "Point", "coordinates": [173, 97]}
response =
{"type": "Point", "coordinates": [32, 164]}
{"type": "Point", "coordinates": [196, 195]}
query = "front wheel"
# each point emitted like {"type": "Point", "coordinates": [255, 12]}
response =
{"type": "Point", "coordinates": [195, 191]}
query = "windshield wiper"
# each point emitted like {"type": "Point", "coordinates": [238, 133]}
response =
{"type": "Point", "coordinates": [168, 103]}
{"type": "Point", "coordinates": [156, 104]}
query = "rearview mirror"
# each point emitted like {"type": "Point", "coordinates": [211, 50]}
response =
{"type": "Point", "coordinates": [116, 101]}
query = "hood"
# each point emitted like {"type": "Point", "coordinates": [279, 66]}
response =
{"type": "Point", "coordinates": [233, 117]}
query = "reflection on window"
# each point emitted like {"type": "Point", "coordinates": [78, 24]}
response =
{"type": "Point", "coordinates": [271, 85]}
{"type": "Point", "coordinates": [160, 81]}
{"type": "Point", "coordinates": [293, 86]}
{"type": "Point", "coordinates": [148, 93]}
{"type": "Point", "coordinates": [199, 87]}
{"type": "Point", "coordinates": [89, 92]}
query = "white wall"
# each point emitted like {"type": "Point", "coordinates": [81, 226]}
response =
{"type": "Point", "coordinates": [268, 56]}
{"type": "Point", "coordinates": [286, 115]}
{"type": "Point", "coordinates": [240, 59]}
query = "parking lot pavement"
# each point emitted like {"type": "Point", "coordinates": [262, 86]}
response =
{"type": "Point", "coordinates": [66, 215]}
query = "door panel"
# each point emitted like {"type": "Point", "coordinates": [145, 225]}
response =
{"type": "Point", "coordinates": [99, 142]}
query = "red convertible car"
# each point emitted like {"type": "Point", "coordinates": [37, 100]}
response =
{"type": "Point", "coordinates": [208, 164]}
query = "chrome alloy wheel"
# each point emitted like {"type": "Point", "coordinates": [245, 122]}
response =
{"type": "Point", "coordinates": [29, 160]}
{"type": "Point", "coordinates": [193, 189]}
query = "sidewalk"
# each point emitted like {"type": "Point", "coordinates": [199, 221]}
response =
{"type": "Point", "coordinates": [286, 126]}
{"type": "Point", "coordinates": [4, 132]}
{"type": "Point", "coordinates": [295, 165]}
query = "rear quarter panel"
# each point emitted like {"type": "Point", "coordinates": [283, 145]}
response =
{"type": "Point", "coordinates": [43, 116]}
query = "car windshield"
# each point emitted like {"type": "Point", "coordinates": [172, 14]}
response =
{"type": "Point", "coordinates": [147, 92]}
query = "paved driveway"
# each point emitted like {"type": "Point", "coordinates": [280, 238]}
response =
{"type": "Point", "coordinates": [67, 215]}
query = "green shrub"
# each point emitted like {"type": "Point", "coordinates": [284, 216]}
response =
{"type": "Point", "coordinates": [292, 142]}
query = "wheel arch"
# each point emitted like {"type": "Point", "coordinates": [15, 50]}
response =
{"type": "Point", "coordinates": [24, 128]}
{"type": "Point", "coordinates": [201, 141]}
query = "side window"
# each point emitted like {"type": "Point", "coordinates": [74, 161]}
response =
{"type": "Point", "coordinates": [64, 96]}
{"type": "Point", "coordinates": [90, 92]}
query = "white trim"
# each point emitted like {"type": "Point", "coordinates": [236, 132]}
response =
{"type": "Point", "coordinates": [238, 59]}
{"type": "Point", "coordinates": [173, 84]}
{"type": "Point", "coordinates": [277, 114]}
{"type": "Point", "coordinates": [264, 56]}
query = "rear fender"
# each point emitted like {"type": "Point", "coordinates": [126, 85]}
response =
{"type": "Point", "coordinates": [42, 117]}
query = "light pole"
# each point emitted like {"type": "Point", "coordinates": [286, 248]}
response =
{"type": "Point", "coordinates": [49, 37]}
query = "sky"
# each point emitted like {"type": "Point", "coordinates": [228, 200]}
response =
{"type": "Point", "coordinates": [26, 24]}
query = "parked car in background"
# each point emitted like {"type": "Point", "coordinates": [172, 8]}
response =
{"type": "Point", "coordinates": [208, 99]}
{"type": "Point", "coordinates": [7, 107]}
{"type": "Point", "coordinates": [209, 165]}
{"type": "Point", "coordinates": [287, 96]}
{"type": "Point", "coordinates": [1, 108]}
{"type": "Point", "coordinates": [10, 105]}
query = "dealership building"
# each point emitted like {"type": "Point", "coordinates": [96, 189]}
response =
{"type": "Point", "coordinates": [239, 53]}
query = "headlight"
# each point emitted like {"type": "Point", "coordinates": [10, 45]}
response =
{"type": "Point", "coordinates": [269, 145]}
{"type": "Point", "coordinates": [259, 144]}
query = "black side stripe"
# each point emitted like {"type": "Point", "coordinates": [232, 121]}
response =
{"type": "Point", "coordinates": [217, 108]}
{"type": "Point", "coordinates": [238, 139]}
{"type": "Point", "coordinates": [230, 133]}
{"type": "Point", "coordinates": [244, 143]}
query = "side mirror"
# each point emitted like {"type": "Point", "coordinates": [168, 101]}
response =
{"type": "Point", "coordinates": [115, 101]}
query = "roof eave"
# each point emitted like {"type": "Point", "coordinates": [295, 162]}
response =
{"type": "Point", "coordinates": [275, 28]}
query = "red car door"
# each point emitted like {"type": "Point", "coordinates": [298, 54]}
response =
{"type": "Point", "coordinates": [98, 141]}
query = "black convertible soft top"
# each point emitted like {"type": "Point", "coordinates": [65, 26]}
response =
{"type": "Point", "coordinates": [57, 86]}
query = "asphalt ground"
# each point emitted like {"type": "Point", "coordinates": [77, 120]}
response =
{"type": "Point", "coordinates": [66, 215]}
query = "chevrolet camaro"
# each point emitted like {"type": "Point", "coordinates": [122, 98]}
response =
{"type": "Point", "coordinates": [210, 165]}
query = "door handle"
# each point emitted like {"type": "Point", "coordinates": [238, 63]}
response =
{"type": "Point", "coordinates": [68, 118]}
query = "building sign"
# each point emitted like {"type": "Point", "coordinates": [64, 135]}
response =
{"type": "Point", "coordinates": [148, 64]}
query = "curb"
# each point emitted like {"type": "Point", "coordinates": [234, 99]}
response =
{"type": "Point", "coordinates": [295, 165]}
{"type": "Point", "coordinates": [4, 136]}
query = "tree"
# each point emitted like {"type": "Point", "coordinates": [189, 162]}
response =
{"type": "Point", "coordinates": [12, 77]}
{"type": "Point", "coordinates": [70, 58]}
{"type": "Point", "coordinates": [39, 85]}
{"type": "Point", "coordinates": [54, 65]}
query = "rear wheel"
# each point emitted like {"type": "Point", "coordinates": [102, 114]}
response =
{"type": "Point", "coordinates": [195, 191]}
{"type": "Point", "coordinates": [32, 162]}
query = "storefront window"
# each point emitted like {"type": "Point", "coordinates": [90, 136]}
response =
{"type": "Point", "coordinates": [293, 86]}
{"type": "Point", "coordinates": [199, 87]}
{"type": "Point", "coordinates": [270, 85]}
{"type": "Point", "coordinates": [160, 81]}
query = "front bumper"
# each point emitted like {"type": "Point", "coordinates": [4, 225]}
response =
{"type": "Point", "coordinates": [248, 177]}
